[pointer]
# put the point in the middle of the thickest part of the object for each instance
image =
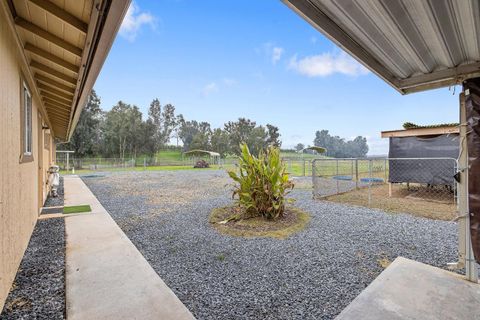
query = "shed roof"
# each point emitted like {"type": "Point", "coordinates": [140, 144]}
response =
{"type": "Point", "coordinates": [422, 131]}
{"type": "Point", "coordinates": [64, 43]}
{"type": "Point", "coordinates": [198, 152]}
{"type": "Point", "coordinates": [412, 45]}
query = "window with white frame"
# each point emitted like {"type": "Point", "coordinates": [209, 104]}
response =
{"type": "Point", "coordinates": [26, 125]}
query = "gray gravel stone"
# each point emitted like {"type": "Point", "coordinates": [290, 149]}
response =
{"type": "Point", "coordinates": [311, 275]}
{"type": "Point", "coordinates": [39, 287]}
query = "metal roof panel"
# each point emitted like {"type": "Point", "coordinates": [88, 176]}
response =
{"type": "Point", "coordinates": [413, 45]}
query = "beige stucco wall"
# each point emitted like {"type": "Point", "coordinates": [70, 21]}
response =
{"type": "Point", "coordinates": [19, 183]}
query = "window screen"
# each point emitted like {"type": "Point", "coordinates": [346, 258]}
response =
{"type": "Point", "coordinates": [27, 127]}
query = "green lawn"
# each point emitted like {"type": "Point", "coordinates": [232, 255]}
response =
{"type": "Point", "coordinates": [77, 209]}
{"type": "Point", "coordinates": [152, 168]}
{"type": "Point", "coordinates": [170, 160]}
{"type": "Point", "coordinates": [172, 155]}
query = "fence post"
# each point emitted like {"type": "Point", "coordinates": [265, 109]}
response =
{"type": "Point", "coordinates": [336, 173]}
{"type": "Point", "coordinates": [68, 159]}
{"type": "Point", "coordinates": [144, 163]}
{"type": "Point", "coordinates": [385, 168]}
{"type": "Point", "coordinates": [356, 173]}
{"type": "Point", "coordinates": [369, 182]}
{"type": "Point", "coordinates": [466, 256]}
{"type": "Point", "coordinates": [314, 187]}
{"type": "Point", "coordinates": [304, 173]}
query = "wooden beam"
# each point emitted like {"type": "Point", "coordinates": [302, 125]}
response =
{"type": "Point", "coordinates": [56, 98]}
{"type": "Point", "coordinates": [62, 14]}
{"type": "Point", "coordinates": [60, 119]}
{"type": "Point", "coordinates": [56, 103]}
{"type": "Point", "coordinates": [57, 92]}
{"type": "Point", "coordinates": [53, 72]}
{"type": "Point", "coordinates": [57, 109]}
{"type": "Point", "coordinates": [59, 123]}
{"type": "Point", "coordinates": [420, 132]}
{"type": "Point", "coordinates": [48, 36]}
{"type": "Point", "coordinates": [51, 57]}
{"type": "Point", "coordinates": [53, 115]}
{"type": "Point", "coordinates": [54, 83]}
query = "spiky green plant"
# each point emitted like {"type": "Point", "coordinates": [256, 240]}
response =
{"type": "Point", "coordinates": [262, 183]}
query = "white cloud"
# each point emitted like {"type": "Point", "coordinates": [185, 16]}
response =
{"type": "Point", "coordinates": [229, 82]}
{"type": "Point", "coordinates": [276, 54]}
{"type": "Point", "coordinates": [326, 64]}
{"type": "Point", "coordinates": [209, 89]}
{"type": "Point", "coordinates": [133, 22]}
{"type": "Point", "coordinates": [377, 146]}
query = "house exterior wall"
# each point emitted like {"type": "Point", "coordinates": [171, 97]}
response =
{"type": "Point", "coordinates": [22, 191]}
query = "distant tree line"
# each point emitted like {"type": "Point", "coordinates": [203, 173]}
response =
{"type": "Point", "coordinates": [336, 147]}
{"type": "Point", "coordinates": [340, 148]}
{"type": "Point", "coordinates": [122, 132]}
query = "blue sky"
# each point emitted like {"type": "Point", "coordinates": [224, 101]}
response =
{"type": "Point", "coordinates": [219, 60]}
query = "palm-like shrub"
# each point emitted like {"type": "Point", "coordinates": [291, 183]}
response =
{"type": "Point", "coordinates": [262, 183]}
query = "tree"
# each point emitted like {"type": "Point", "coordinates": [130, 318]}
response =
{"type": "Point", "coordinates": [238, 133]}
{"type": "Point", "coordinates": [194, 135]}
{"type": "Point", "coordinates": [86, 139]}
{"type": "Point", "coordinates": [169, 122]}
{"type": "Point", "coordinates": [339, 148]}
{"type": "Point", "coordinates": [163, 121]}
{"type": "Point", "coordinates": [220, 142]}
{"type": "Point", "coordinates": [299, 147]}
{"type": "Point", "coordinates": [201, 139]}
{"type": "Point", "coordinates": [149, 143]}
{"type": "Point", "coordinates": [124, 130]}
{"type": "Point", "coordinates": [273, 136]}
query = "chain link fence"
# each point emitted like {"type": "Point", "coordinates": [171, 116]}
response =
{"type": "Point", "coordinates": [417, 185]}
{"type": "Point", "coordinates": [295, 167]}
{"type": "Point", "coordinates": [119, 163]}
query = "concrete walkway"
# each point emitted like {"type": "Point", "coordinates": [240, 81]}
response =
{"type": "Point", "coordinates": [106, 276]}
{"type": "Point", "coordinates": [412, 290]}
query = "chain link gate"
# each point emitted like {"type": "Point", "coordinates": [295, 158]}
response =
{"type": "Point", "coordinates": [386, 182]}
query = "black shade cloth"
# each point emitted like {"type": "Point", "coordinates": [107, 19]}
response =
{"type": "Point", "coordinates": [431, 171]}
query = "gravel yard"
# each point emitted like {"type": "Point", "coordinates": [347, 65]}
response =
{"type": "Point", "coordinates": [311, 275]}
{"type": "Point", "coordinates": [38, 291]}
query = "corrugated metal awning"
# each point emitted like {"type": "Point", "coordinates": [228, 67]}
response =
{"type": "Point", "coordinates": [413, 45]}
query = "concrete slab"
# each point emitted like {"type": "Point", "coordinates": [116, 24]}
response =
{"type": "Point", "coordinates": [106, 276]}
{"type": "Point", "coordinates": [412, 290]}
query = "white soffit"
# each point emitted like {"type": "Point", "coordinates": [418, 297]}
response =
{"type": "Point", "coordinates": [413, 45]}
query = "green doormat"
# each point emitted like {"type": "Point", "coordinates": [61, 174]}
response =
{"type": "Point", "coordinates": [77, 209]}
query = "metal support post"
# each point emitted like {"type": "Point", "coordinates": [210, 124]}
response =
{"type": "Point", "coordinates": [465, 252]}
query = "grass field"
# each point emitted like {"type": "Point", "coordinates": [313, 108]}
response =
{"type": "Point", "coordinates": [169, 160]}
{"type": "Point", "coordinates": [141, 168]}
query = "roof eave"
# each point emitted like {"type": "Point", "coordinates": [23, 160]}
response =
{"type": "Point", "coordinates": [434, 80]}
{"type": "Point", "coordinates": [320, 21]}
{"type": "Point", "coordinates": [106, 21]}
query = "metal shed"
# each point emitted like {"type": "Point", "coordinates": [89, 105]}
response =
{"type": "Point", "coordinates": [440, 143]}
